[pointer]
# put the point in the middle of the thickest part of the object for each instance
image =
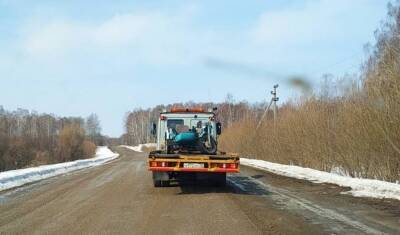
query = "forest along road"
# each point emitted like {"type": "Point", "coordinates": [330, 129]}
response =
{"type": "Point", "coordinates": [119, 197]}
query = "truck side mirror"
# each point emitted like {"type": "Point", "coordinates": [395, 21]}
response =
{"type": "Point", "coordinates": [153, 129]}
{"type": "Point", "coordinates": [219, 128]}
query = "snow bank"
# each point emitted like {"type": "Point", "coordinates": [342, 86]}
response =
{"type": "Point", "coordinates": [140, 147]}
{"type": "Point", "coordinates": [15, 178]}
{"type": "Point", "coordinates": [359, 187]}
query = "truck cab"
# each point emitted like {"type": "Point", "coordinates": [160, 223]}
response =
{"type": "Point", "coordinates": [183, 125]}
{"type": "Point", "coordinates": [187, 144]}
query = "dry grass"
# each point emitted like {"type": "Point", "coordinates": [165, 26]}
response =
{"type": "Point", "coordinates": [324, 134]}
{"type": "Point", "coordinates": [358, 131]}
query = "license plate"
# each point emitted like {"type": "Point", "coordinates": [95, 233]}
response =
{"type": "Point", "coordinates": [193, 165]}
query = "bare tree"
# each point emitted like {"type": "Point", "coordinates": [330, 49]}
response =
{"type": "Point", "coordinates": [93, 129]}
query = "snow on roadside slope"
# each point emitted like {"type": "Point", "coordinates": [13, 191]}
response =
{"type": "Point", "coordinates": [140, 147]}
{"type": "Point", "coordinates": [359, 187]}
{"type": "Point", "coordinates": [15, 178]}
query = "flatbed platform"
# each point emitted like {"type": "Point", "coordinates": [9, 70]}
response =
{"type": "Point", "coordinates": [221, 162]}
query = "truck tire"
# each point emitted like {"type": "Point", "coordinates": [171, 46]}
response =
{"type": "Point", "coordinates": [161, 183]}
{"type": "Point", "coordinates": [157, 183]}
{"type": "Point", "coordinates": [160, 179]}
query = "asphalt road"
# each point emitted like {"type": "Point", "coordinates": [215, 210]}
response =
{"type": "Point", "coordinates": [119, 198]}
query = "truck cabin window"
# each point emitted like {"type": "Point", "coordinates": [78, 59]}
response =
{"type": "Point", "coordinates": [177, 125]}
{"type": "Point", "coordinates": [198, 123]}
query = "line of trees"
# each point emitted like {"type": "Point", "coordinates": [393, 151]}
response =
{"type": "Point", "coordinates": [29, 138]}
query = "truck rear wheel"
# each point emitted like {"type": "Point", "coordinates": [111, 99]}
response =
{"type": "Point", "coordinates": [161, 183]}
{"type": "Point", "coordinates": [157, 183]}
{"type": "Point", "coordinates": [160, 179]}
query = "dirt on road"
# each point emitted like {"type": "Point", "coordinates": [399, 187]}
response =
{"type": "Point", "coordinates": [119, 198]}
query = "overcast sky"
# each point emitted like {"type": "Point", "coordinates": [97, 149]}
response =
{"type": "Point", "coordinates": [108, 57]}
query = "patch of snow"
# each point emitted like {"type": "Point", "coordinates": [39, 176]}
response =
{"type": "Point", "coordinates": [359, 187]}
{"type": "Point", "coordinates": [15, 178]}
{"type": "Point", "coordinates": [140, 147]}
{"type": "Point", "coordinates": [340, 171]}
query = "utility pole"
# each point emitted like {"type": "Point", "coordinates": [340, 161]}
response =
{"type": "Point", "coordinates": [274, 100]}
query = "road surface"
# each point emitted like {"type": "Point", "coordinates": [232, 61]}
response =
{"type": "Point", "coordinates": [118, 198]}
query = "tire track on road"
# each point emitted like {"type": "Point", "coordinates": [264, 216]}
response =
{"type": "Point", "coordinates": [331, 220]}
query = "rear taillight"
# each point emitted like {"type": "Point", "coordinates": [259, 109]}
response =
{"type": "Point", "coordinates": [158, 164]}
{"type": "Point", "coordinates": [227, 165]}
{"type": "Point", "coordinates": [232, 165]}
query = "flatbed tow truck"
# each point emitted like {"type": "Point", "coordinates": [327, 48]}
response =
{"type": "Point", "coordinates": [187, 140]}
